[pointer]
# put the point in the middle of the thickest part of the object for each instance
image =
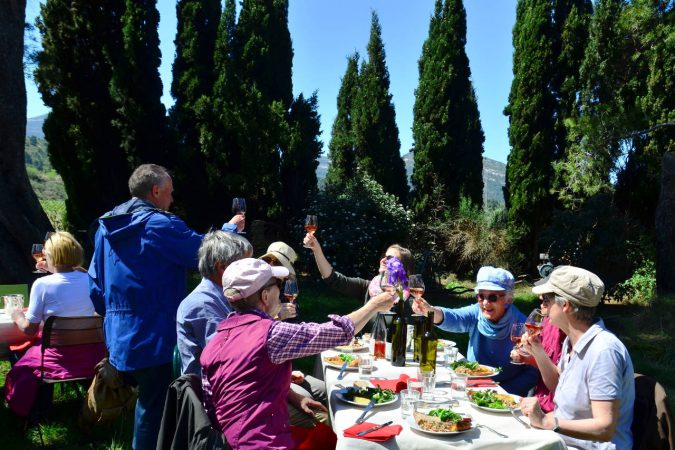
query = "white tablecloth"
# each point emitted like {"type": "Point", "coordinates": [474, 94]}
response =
{"type": "Point", "coordinates": [9, 334]}
{"type": "Point", "coordinates": [343, 415]}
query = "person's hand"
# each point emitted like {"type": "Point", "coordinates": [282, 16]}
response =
{"type": "Point", "coordinates": [516, 356]}
{"type": "Point", "coordinates": [42, 265]}
{"type": "Point", "coordinates": [311, 242]}
{"type": "Point", "coordinates": [287, 311]}
{"type": "Point", "coordinates": [297, 377]}
{"type": "Point", "coordinates": [239, 220]}
{"type": "Point", "coordinates": [383, 301]}
{"type": "Point", "coordinates": [421, 306]}
{"type": "Point", "coordinates": [531, 408]}
{"type": "Point", "coordinates": [532, 345]}
{"type": "Point", "coordinates": [308, 405]}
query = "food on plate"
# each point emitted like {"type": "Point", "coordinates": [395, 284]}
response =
{"type": "Point", "coordinates": [472, 368]}
{"type": "Point", "coordinates": [353, 346]}
{"type": "Point", "coordinates": [363, 395]}
{"type": "Point", "coordinates": [442, 420]}
{"type": "Point", "coordinates": [338, 360]}
{"type": "Point", "coordinates": [491, 399]}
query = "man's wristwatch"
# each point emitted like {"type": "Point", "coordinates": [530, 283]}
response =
{"type": "Point", "coordinates": [556, 428]}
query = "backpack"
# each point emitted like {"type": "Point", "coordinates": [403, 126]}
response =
{"type": "Point", "coordinates": [108, 397]}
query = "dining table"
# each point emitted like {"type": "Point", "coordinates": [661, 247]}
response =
{"type": "Point", "coordinates": [504, 431]}
{"type": "Point", "coordinates": [9, 334]}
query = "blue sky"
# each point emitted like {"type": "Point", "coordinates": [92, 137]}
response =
{"type": "Point", "coordinates": [325, 32]}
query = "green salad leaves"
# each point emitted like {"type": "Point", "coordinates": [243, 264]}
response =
{"type": "Point", "coordinates": [446, 415]}
{"type": "Point", "coordinates": [380, 395]}
{"type": "Point", "coordinates": [345, 357]}
{"type": "Point", "coordinates": [489, 399]}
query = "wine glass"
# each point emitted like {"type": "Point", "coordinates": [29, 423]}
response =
{"type": "Point", "coordinates": [416, 286]}
{"type": "Point", "coordinates": [38, 254]}
{"type": "Point", "coordinates": [517, 331]}
{"type": "Point", "coordinates": [238, 205]}
{"type": "Point", "coordinates": [311, 224]}
{"type": "Point", "coordinates": [291, 290]}
{"type": "Point", "coordinates": [385, 282]}
{"type": "Point", "coordinates": [534, 322]}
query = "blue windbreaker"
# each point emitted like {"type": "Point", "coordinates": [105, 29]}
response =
{"type": "Point", "coordinates": [137, 279]}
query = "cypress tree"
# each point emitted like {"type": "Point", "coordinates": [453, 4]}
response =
{"type": "Point", "coordinates": [136, 87]}
{"type": "Point", "coordinates": [342, 148]}
{"type": "Point", "coordinates": [446, 129]}
{"type": "Point", "coordinates": [192, 87]}
{"type": "Point", "coordinates": [374, 120]}
{"type": "Point", "coordinates": [300, 160]}
{"type": "Point", "coordinates": [73, 75]}
{"type": "Point", "coordinates": [530, 110]}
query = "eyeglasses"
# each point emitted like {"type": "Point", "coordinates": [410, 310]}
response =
{"type": "Point", "coordinates": [547, 298]}
{"type": "Point", "coordinates": [278, 282]}
{"type": "Point", "coordinates": [387, 257]}
{"type": "Point", "coordinates": [490, 298]}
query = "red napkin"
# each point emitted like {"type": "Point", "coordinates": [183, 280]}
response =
{"type": "Point", "coordinates": [395, 385]}
{"type": "Point", "coordinates": [381, 435]}
{"type": "Point", "coordinates": [481, 382]}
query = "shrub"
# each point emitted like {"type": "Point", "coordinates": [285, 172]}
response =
{"type": "Point", "coordinates": [56, 213]}
{"type": "Point", "coordinates": [640, 288]}
{"type": "Point", "coordinates": [355, 225]}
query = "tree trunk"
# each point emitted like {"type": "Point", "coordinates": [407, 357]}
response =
{"type": "Point", "coordinates": [22, 220]}
{"type": "Point", "coordinates": [665, 228]}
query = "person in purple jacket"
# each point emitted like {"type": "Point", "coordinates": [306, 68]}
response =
{"type": "Point", "coordinates": [246, 366]}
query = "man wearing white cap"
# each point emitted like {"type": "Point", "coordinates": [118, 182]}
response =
{"type": "Point", "coordinates": [595, 389]}
{"type": "Point", "coordinates": [246, 367]}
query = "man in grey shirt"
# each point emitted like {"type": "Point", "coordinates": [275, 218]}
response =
{"type": "Point", "coordinates": [200, 312]}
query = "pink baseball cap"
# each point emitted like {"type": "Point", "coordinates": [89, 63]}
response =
{"type": "Point", "coordinates": [247, 276]}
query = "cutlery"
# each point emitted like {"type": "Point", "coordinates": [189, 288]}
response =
{"type": "Point", "coordinates": [362, 417]}
{"type": "Point", "coordinates": [342, 370]}
{"type": "Point", "coordinates": [494, 431]}
{"type": "Point", "coordinates": [375, 428]}
{"type": "Point", "coordinates": [515, 416]}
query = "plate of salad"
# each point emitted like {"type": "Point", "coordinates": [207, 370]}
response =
{"type": "Point", "coordinates": [493, 401]}
{"type": "Point", "coordinates": [336, 361]}
{"type": "Point", "coordinates": [361, 396]}
{"type": "Point", "coordinates": [475, 370]}
{"type": "Point", "coordinates": [440, 421]}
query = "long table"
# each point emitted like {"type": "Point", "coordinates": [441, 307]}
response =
{"type": "Point", "coordinates": [343, 416]}
{"type": "Point", "coordinates": [9, 334]}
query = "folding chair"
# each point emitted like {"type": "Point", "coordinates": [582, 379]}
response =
{"type": "Point", "coordinates": [60, 332]}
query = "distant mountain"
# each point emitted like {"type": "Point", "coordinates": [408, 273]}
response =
{"type": "Point", "coordinates": [494, 176]}
{"type": "Point", "coordinates": [34, 126]}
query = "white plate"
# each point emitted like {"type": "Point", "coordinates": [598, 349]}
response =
{"type": "Point", "coordinates": [414, 426]}
{"type": "Point", "coordinates": [349, 349]}
{"type": "Point", "coordinates": [497, 410]}
{"type": "Point", "coordinates": [447, 343]}
{"type": "Point", "coordinates": [494, 372]}
{"type": "Point", "coordinates": [348, 368]}
{"type": "Point", "coordinates": [340, 395]}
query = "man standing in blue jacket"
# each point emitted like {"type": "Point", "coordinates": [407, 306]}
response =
{"type": "Point", "coordinates": [137, 279]}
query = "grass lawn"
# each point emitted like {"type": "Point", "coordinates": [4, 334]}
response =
{"type": "Point", "coordinates": [647, 331]}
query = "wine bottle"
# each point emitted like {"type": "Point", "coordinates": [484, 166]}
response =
{"type": "Point", "coordinates": [398, 339]}
{"type": "Point", "coordinates": [429, 345]}
{"type": "Point", "coordinates": [419, 322]}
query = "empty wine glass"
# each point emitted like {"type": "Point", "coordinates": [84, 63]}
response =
{"type": "Point", "coordinates": [291, 290]}
{"type": "Point", "coordinates": [238, 205]}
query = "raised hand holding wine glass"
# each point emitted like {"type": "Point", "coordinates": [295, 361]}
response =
{"type": "Point", "coordinates": [238, 205]}
{"type": "Point", "coordinates": [534, 322]}
{"type": "Point", "coordinates": [416, 286]}
{"type": "Point", "coordinates": [291, 290]}
{"type": "Point", "coordinates": [517, 331]}
{"type": "Point", "coordinates": [38, 255]}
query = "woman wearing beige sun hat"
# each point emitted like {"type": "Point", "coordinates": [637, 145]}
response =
{"type": "Point", "coordinates": [594, 392]}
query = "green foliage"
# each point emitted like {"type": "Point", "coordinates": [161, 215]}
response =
{"type": "Point", "coordinates": [56, 212]}
{"type": "Point", "coordinates": [356, 225]}
{"type": "Point", "coordinates": [446, 128]}
{"type": "Point", "coordinates": [530, 110]}
{"type": "Point", "coordinates": [640, 288]}
{"type": "Point", "coordinates": [300, 160]}
{"type": "Point", "coordinates": [342, 146]}
{"type": "Point", "coordinates": [374, 121]}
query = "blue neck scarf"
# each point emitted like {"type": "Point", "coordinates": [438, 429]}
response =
{"type": "Point", "coordinates": [499, 330]}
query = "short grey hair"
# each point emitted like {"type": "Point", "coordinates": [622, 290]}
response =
{"type": "Point", "coordinates": [584, 314]}
{"type": "Point", "coordinates": [219, 246]}
{"type": "Point", "coordinates": [145, 177]}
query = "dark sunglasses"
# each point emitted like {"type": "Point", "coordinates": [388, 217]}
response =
{"type": "Point", "coordinates": [490, 298]}
{"type": "Point", "coordinates": [277, 281]}
{"type": "Point", "coordinates": [547, 298]}
{"type": "Point", "coordinates": [388, 257]}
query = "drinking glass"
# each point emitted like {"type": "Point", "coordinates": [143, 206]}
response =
{"type": "Point", "coordinates": [38, 255]}
{"type": "Point", "coordinates": [291, 290]}
{"type": "Point", "coordinates": [238, 205]}
{"type": "Point", "coordinates": [450, 356]}
{"type": "Point", "coordinates": [415, 385]}
{"type": "Point", "coordinates": [416, 286]}
{"type": "Point", "coordinates": [428, 384]}
{"type": "Point", "coordinates": [517, 331]}
{"type": "Point", "coordinates": [385, 284]}
{"type": "Point", "coordinates": [458, 385]}
{"type": "Point", "coordinates": [311, 224]}
{"type": "Point", "coordinates": [365, 367]}
{"type": "Point", "coordinates": [408, 399]}
{"type": "Point", "coordinates": [534, 322]}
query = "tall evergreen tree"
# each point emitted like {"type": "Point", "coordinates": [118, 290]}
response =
{"type": "Point", "coordinates": [136, 87]}
{"type": "Point", "coordinates": [300, 160]}
{"type": "Point", "coordinates": [374, 120]}
{"type": "Point", "coordinates": [342, 148]}
{"type": "Point", "coordinates": [530, 109]}
{"type": "Point", "coordinates": [73, 76]}
{"type": "Point", "coordinates": [446, 129]}
{"type": "Point", "coordinates": [23, 221]}
{"type": "Point", "coordinates": [192, 87]}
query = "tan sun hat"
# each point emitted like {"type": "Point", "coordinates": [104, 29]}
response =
{"type": "Point", "coordinates": [283, 253]}
{"type": "Point", "coordinates": [247, 276]}
{"type": "Point", "coordinates": [573, 283]}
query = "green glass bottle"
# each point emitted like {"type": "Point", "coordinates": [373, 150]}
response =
{"type": "Point", "coordinates": [398, 338]}
{"type": "Point", "coordinates": [418, 321]}
{"type": "Point", "coordinates": [429, 345]}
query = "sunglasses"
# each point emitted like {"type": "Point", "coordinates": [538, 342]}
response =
{"type": "Point", "coordinates": [278, 282]}
{"type": "Point", "coordinates": [388, 257]}
{"type": "Point", "coordinates": [490, 298]}
{"type": "Point", "coordinates": [547, 298]}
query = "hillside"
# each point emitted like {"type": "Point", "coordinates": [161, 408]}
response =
{"type": "Point", "coordinates": [46, 183]}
